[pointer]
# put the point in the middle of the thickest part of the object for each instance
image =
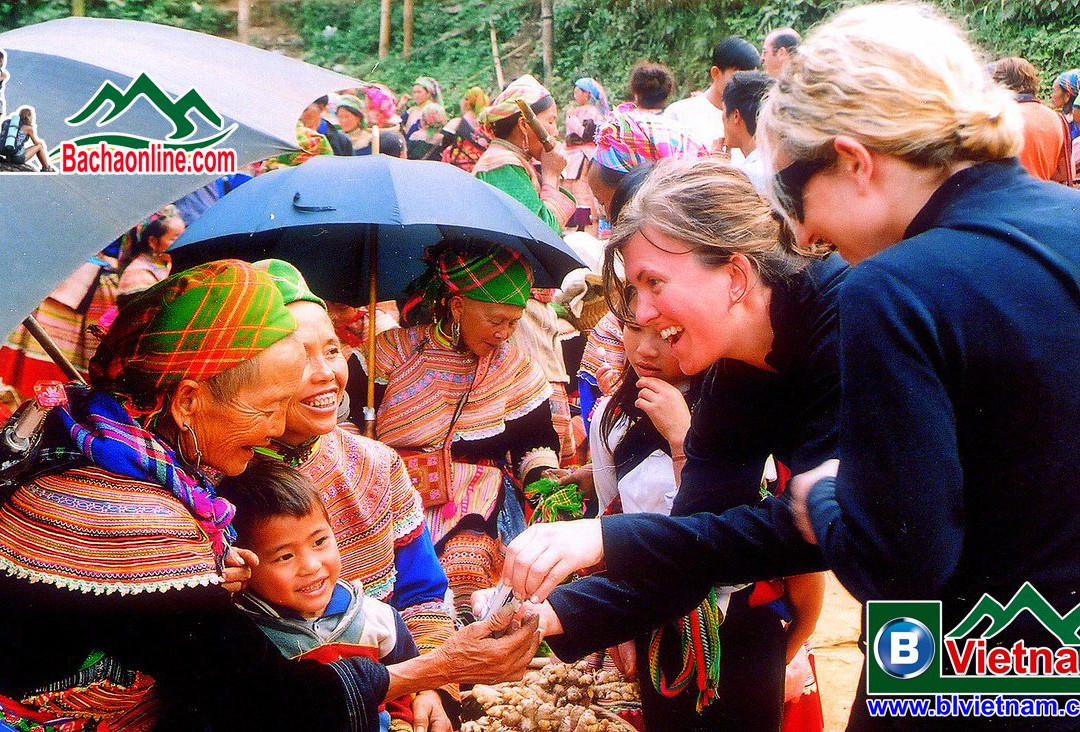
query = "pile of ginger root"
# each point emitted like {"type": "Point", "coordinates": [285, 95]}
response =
{"type": "Point", "coordinates": [555, 698]}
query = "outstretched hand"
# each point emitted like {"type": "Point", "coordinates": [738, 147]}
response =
{"type": "Point", "coordinates": [476, 656]}
{"type": "Point", "coordinates": [545, 554]}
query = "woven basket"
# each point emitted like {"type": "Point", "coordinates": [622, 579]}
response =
{"type": "Point", "coordinates": [594, 308]}
{"type": "Point", "coordinates": [621, 723]}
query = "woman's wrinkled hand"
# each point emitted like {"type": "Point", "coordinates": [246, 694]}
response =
{"type": "Point", "coordinates": [625, 657]}
{"type": "Point", "coordinates": [238, 564]}
{"type": "Point", "coordinates": [545, 554]}
{"type": "Point", "coordinates": [428, 713]}
{"type": "Point", "coordinates": [666, 408]}
{"type": "Point", "coordinates": [799, 489]}
{"type": "Point", "coordinates": [582, 477]}
{"type": "Point", "coordinates": [473, 655]}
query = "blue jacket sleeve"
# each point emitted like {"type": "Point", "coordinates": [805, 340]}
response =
{"type": "Point", "coordinates": [660, 568]}
{"type": "Point", "coordinates": [420, 577]}
{"type": "Point", "coordinates": [900, 485]}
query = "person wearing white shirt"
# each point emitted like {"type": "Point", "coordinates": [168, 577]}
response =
{"type": "Point", "coordinates": [702, 114]}
{"type": "Point", "coordinates": [742, 97]}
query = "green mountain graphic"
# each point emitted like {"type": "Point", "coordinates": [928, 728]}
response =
{"type": "Point", "coordinates": [143, 86]}
{"type": "Point", "coordinates": [1027, 598]}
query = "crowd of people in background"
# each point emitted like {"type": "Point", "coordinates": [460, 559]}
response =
{"type": "Point", "coordinates": [695, 365]}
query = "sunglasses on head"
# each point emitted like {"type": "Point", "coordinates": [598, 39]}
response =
{"type": "Point", "coordinates": [791, 181]}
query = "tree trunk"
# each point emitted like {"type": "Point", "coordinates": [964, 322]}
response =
{"type": "Point", "coordinates": [243, 21]}
{"type": "Point", "coordinates": [406, 27]}
{"type": "Point", "coordinates": [384, 28]}
{"type": "Point", "coordinates": [499, 78]}
{"type": "Point", "coordinates": [545, 37]}
{"type": "Point", "coordinates": [78, 8]}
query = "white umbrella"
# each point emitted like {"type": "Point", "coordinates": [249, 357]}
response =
{"type": "Point", "coordinates": [51, 223]}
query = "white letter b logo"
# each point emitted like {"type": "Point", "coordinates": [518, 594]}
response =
{"type": "Point", "coordinates": [904, 649]}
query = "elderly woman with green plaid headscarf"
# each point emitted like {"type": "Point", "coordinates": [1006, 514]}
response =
{"type": "Point", "coordinates": [455, 388]}
{"type": "Point", "coordinates": [116, 563]}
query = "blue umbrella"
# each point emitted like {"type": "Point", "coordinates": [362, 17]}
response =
{"type": "Point", "coordinates": [329, 215]}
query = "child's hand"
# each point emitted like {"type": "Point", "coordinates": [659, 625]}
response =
{"type": "Point", "coordinates": [666, 408]}
{"type": "Point", "coordinates": [428, 713]}
{"type": "Point", "coordinates": [606, 378]}
{"type": "Point", "coordinates": [238, 564]}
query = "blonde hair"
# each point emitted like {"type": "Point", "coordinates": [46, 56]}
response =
{"type": "Point", "coordinates": [714, 210]}
{"type": "Point", "coordinates": [901, 79]}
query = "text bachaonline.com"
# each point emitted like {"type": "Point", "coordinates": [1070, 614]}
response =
{"type": "Point", "coordinates": [975, 705]}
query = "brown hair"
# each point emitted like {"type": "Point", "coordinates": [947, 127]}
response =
{"type": "Point", "coordinates": [267, 489]}
{"type": "Point", "coordinates": [651, 84]}
{"type": "Point", "coordinates": [1017, 74]}
{"type": "Point", "coordinates": [712, 208]}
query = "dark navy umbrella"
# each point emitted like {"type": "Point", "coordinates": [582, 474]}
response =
{"type": "Point", "coordinates": [357, 228]}
{"type": "Point", "coordinates": [330, 215]}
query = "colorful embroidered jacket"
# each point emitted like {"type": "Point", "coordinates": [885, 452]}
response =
{"type": "Point", "coordinates": [376, 516]}
{"type": "Point", "coordinates": [506, 415]}
{"type": "Point", "coordinates": [352, 625]}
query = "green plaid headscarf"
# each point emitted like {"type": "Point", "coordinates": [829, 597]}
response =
{"type": "Point", "coordinates": [193, 325]}
{"type": "Point", "coordinates": [289, 281]}
{"type": "Point", "coordinates": [500, 277]}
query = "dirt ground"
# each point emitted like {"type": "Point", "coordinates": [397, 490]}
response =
{"type": "Point", "coordinates": [837, 654]}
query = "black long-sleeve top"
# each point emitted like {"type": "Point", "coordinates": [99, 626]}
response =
{"type": "Point", "coordinates": [211, 665]}
{"type": "Point", "coordinates": [958, 354]}
{"type": "Point", "coordinates": [744, 415]}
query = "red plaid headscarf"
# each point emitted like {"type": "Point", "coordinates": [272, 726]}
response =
{"type": "Point", "coordinates": [193, 325]}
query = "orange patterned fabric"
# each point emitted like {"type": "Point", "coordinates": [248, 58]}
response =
{"type": "Point", "coordinates": [93, 531]}
{"type": "Point", "coordinates": [422, 393]}
{"type": "Point", "coordinates": [473, 561]}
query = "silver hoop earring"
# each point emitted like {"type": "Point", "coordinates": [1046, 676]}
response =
{"type": "Point", "coordinates": [197, 462]}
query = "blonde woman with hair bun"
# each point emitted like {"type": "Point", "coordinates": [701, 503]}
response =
{"type": "Point", "coordinates": [957, 350]}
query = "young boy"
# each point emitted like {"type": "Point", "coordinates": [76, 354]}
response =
{"type": "Point", "coordinates": [294, 594]}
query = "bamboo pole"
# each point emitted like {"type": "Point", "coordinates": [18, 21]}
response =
{"type": "Point", "coordinates": [384, 28]}
{"type": "Point", "coordinates": [499, 78]}
{"type": "Point", "coordinates": [49, 346]}
{"type": "Point", "coordinates": [406, 27]}
{"type": "Point", "coordinates": [78, 8]}
{"type": "Point", "coordinates": [373, 301]}
{"type": "Point", "coordinates": [375, 140]}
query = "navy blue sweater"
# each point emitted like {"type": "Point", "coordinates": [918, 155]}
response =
{"type": "Point", "coordinates": [960, 366]}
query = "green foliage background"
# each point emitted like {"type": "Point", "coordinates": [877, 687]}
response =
{"type": "Point", "coordinates": [601, 38]}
